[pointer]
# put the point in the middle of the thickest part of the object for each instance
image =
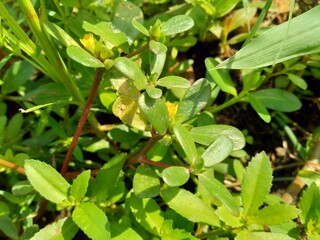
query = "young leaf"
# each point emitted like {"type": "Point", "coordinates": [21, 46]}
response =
{"type": "Point", "coordinates": [177, 24]}
{"type": "Point", "coordinates": [80, 185]}
{"type": "Point", "coordinates": [137, 25]}
{"type": "Point", "coordinates": [275, 215]}
{"type": "Point", "coordinates": [146, 183]}
{"type": "Point", "coordinates": [156, 112]}
{"type": "Point", "coordinates": [221, 77]}
{"type": "Point", "coordinates": [47, 181]}
{"type": "Point", "coordinates": [189, 206]}
{"type": "Point", "coordinates": [299, 81]}
{"type": "Point", "coordinates": [147, 213]}
{"type": "Point", "coordinates": [278, 99]}
{"type": "Point", "coordinates": [175, 176]}
{"type": "Point", "coordinates": [207, 134]}
{"type": "Point", "coordinates": [107, 178]}
{"type": "Point", "coordinates": [131, 70]}
{"type": "Point", "coordinates": [173, 82]}
{"type": "Point", "coordinates": [157, 56]}
{"type": "Point", "coordinates": [92, 221]}
{"type": "Point", "coordinates": [219, 191]}
{"type": "Point", "coordinates": [83, 57]}
{"type": "Point", "coordinates": [64, 228]}
{"type": "Point", "coordinates": [187, 143]}
{"type": "Point", "coordinates": [219, 150]}
{"type": "Point", "coordinates": [228, 218]}
{"type": "Point", "coordinates": [264, 50]}
{"type": "Point", "coordinates": [153, 92]}
{"type": "Point", "coordinates": [256, 183]}
{"type": "Point", "coordinates": [195, 99]}
{"type": "Point", "coordinates": [259, 108]}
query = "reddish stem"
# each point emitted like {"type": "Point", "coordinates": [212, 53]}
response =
{"type": "Point", "coordinates": [96, 82]}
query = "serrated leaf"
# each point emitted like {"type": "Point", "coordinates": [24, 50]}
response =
{"type": "Point", "coordinates": [59, 34]}
{"type": "Point", "coordinates": [80, 185]}
{"type": "Point", "coordinates": [175, 176]}
{"type": "Point", "coordinates": [207, 134]}
{"type": "Point", "coordinates": [219, 191]}
{"type": "Point", "coordinates": [156, 112]}
{"type": "Point", "coordinates": [107, 178]}
{"type": "Point", "coordinates": [217, 151]}
{"type": "Point", "coordinates": [157, 57]}
{"type": "Point", "coordinates": [131, 70]}
{"type": "Point", "coordinates": [147, 213]}
{"type": "Point", "coordinates": [220, 76]}
{"type": "Point", "coordinates": [275, 215]}
{"type": "Point", "coordinates": [62, 229]}
{"type": "Point", "coordinates": [47, 181]}
{"type": "Point", "coordinates": [256, 183]}
{"type": "Point", "coordinates": [177, 24]}
{"type": "Point", "coordinates": [195, 99]}
{"type": "Point", "coordinates": [187, 143]}
{"type": "Point", "coordinates": [92, 221]}
{"type": "Point", "coordinates": [278, 99]}
{"type": "Point", "coordinates": [309, 204]}
{"type": "Point", "coordinates": [146, 183]}
{"type": "Point", "coordinates": [173, 82]}
{"type": "Point", "coordinates": [259, 108]}
{"type": "Point", "coordinates": [276, 45]}
{"type": "Point", "coordinates": [299, 81]}
{"type": "Point", "coordinates": [81, 56]}
{"type": "Point", "coordinates": [189, 206]}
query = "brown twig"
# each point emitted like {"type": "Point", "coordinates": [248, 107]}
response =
{"type": "Point", "coordinates": [96, 82]}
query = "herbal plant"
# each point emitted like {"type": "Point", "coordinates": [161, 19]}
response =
{"type": "Point", "coordinates": [159, 165]}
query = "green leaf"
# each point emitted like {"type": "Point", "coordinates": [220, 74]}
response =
{"type": "Point", "coordinates": [259, 108]}
{"type": "Point", "coordinates": [219, 191]}
{"type": "Point", "coordinates": [207, 134]}
{"type": "Point", "coordinates": [217, 151]}
{"type": "Point", "coordinates": [309, 177]}
{"type": "Point", "coordinates": [175, 176]}
{"type": "Point", "coordinates": [16, 76]}
{"type": "Point", "coordinates": [156, 112]}
{"type": "Point", "coordinates": [131, 70]}
{"type": "Point", "coordinates": [157, 57]}
{"type": "Point", "coordinates": [123, 232]}
{"type": "Point", "coordinates": [189, 206]}
{"type": "Point", "coordinates": [245, 235]}
{"type": "Point", "coordinates": [256, 183]}
{"type": "Point", "coordinates": [22, 188]}
{"type": "Point", "coordinates": [80, 185]}
{"type": "Point", "coordinates": [173, 82]}
{"type": "Point", "coordinates": [104, 30]}
{"type": "Point", "coordinates": [81, 56]}
{"type": "Point", "coordinates": [299, 81]}
{"type": "Point", "coordinates": [178, 234]}
{"type": "Point", "coordinates": [153, 92]}
{"type": "Point", "coordinates": [187, 143]}
{"type": "Point", "coordinates": [146, 183]}
{"type": "Point", "coordinates": [278, 99]}
{"type": "Point", "coordinates": [137, 25]}
{"type": "Point", "coordinates": [220, 76]}
{"type": "Point", "coordinates": [92, 221]}
{"type": "Point", "coordinates": [64, 228]}
{"type": "Point", "coordinates": [147, 213]}
{"type": "Point", "coordinates": [238, 18]}
{"type": "Point", "coordinates": [195, 99]}
{"type": "Point", "coordinates": [8, 227]}
{"type": "Point", "coordinates": [47, 181]}
{"type": "Point", "coordinates": [59, 34]}
{"type": "Point", "coordinates": [177, 24]}
{"type": "Point", "coordinates": [228, 218]}
{"type": "Point", "coordinates": [309, 204]}
{"type": "Point", "coordinates": [222, 7]}
{"type": "Point", "coordinates": [276, 45]}
{"type": "Point", "coordinates": [160, 149]}
{"type": "Point", "coordinates": [107, 178]}
{"type": "Point", "coordinates": [275, 215]}
{"type": "Point", "coordinates": [14, 127]}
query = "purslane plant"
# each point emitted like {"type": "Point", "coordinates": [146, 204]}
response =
{"type": "Point", "coordinates": [166, 140]}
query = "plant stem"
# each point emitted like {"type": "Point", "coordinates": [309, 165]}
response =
{"type": "Point", "coordinates": [12, 166]}
{"type": "Point", "coordinates": [228, 103]}
{"type": "Point", "coordinates": [96, 82]}
{"type": "Point", "coordinates": [138, 51]}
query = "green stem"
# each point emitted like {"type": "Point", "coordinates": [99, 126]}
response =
{"type": "Point", "coordinates": [228, 103]}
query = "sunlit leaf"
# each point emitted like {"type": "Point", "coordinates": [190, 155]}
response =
{"type": "Point", "coordinates": [146, 183]}
{"type": "Point", "coordinates": [157, 56]}
{"type": "Point", "coordinates": [177, 24]}
{"type": "Point", "coordinates": [175, 176]}
{"type": "Point", "coordinates": [173, 82]}
{"type": "Point", "coordinates": [140, 27]}
{"type": "Point", "coordinates": [256, 183]}
{"type": "Point", "coordinates": [222, 7]}
{"type": "Point", "coordinates": [92, 221]}
{"type": "Point", "coordinates": [83, 57]}
{"type": "Point", "coordinates": [80, 185]}
{"type": "Point", "coordinates": [47, 181]}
